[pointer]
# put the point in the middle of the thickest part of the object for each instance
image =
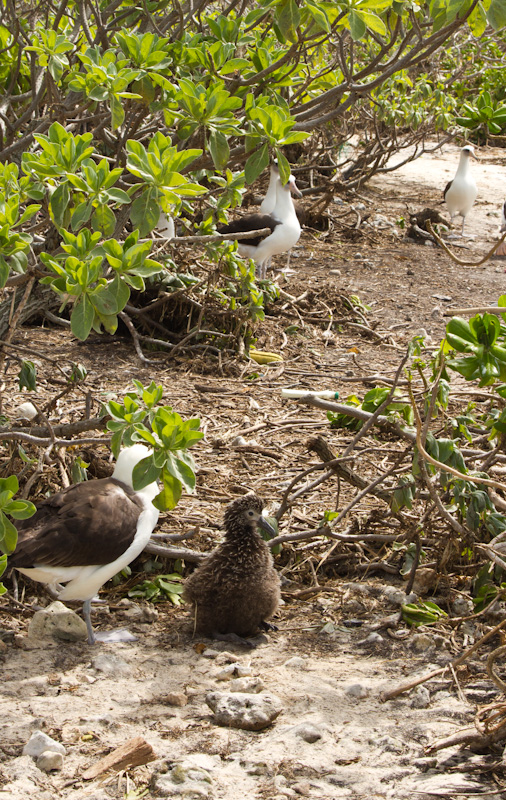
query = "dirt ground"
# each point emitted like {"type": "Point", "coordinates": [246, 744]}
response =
{"type": "Point", "coordinates": [333, 653]}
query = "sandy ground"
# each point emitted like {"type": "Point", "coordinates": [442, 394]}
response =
{"type": "Point", "coordinates": [327, 675]}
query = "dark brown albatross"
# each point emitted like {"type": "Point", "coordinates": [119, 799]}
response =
{"type": "Point", "coordinates": [87, 533]}
{"type": "Point", "coordinates": [236, 590]}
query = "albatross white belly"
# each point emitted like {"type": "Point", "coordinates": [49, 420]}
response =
{"type": "Point", "coordinates": [102, 521]}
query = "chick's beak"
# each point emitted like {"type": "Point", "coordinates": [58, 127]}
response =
{"type": "Point", "coordinates": [266, 526]}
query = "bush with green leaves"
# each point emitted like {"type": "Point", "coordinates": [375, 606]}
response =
{"type": "Point", "coordinates": [140, 418]}
{"type": "Point", "coordinates": [10, 507]}
{"type": "Point", "coordinates": [118, 118]}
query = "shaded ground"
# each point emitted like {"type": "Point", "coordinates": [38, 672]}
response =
{"type": "Point", "coordinates": [365, 749]}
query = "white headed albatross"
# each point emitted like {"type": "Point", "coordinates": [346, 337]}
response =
{"type": "Point", "coordinates": [461, 192]}
{"type": "Point", "coordinates": [281, 220]}
{"type": "Point", "coordinates": [87, 533]}
{"type": "Point", "coordinates": [501, 250]}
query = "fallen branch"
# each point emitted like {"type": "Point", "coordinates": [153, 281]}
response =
{"type": "Point", "coordinates": [405, 687]}
{"type": "Point", "coordinates": [174, 553]}
{"type": "Point", "coordinates": [459, 260]}
{"type": "Point", "coordinates": [132, 753]}
{"type": "Point", "coordinates": [498, 310]}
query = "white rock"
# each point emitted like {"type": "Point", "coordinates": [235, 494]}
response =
{"type": "Point", "coordinates": [59, 622]}
{"type": "Point", "coordinates": [296, 662]}
{"type": "Point", "coordinates": [49, 760]}
{"type": "Point", "coordinates": [236, 670]}
{"type": "Point", "coordinates": [39, 742]}
{"type": "Point", "coordinates": [421, 642]}
{"type": "Point", "coordinates": [394, 595]}
{"type": "Point", "coordinates": [252, 685]}
{"type": "Point", "coordinates": [420, 697]}
{"type": "Point", "coordinates": [357, 690]}
{"type": "Point", "coordinates": [110, 664]}
{"type": "Point", "coordinates": [250, 712]}
{"type": "Point", "coordinates": [308, 732]}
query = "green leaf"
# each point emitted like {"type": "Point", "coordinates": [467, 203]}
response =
{"type": "Point", "coordinates": [82, 318]}
{"type": "Point", "coordinates": [27, 377]}
{"type": "Point", "coordinates": [81, 215]}
{"type": "Point", "coordinates": [373, 22]}
{"type": "Point", "coordinates": [357, 26]}
{"type": "Point", "coordinates": [220, 151]}
{"type": "Point", "coordinates": [256, 164]}
{"type": "Point", "coordinates": [318, 13]}
{"type": "Point", "coordinates": [103, 220]}
{"type": "Point", "coordinates": [287, 17]}
{"type": "Point", "coordinates": [20, 509]}
{"type": "Point", "coordinates": [117, 113]}
{"type": "Point", "coordinates": [496, 14]}
{"type": "Point", "coordinates": [170, 495]}
{"type": "Point", "coordinates": [8, 535]}
{"type": "Point", "coordinates": [284, 167]}
{"type": "Point", "coordinates": [144, 213]}
{"type": "Point", "coordinates": [59, 203]}
{"type": "Point", "coordinates": [144, 473]}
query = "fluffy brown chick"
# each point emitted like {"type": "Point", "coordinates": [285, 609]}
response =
{"type": "Point", "coordinates": [236, 589]}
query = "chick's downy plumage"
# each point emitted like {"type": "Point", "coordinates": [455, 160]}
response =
{"type": "Point", "coordinates": [236, 589]}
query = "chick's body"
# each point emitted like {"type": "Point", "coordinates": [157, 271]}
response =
{"type": "Point", "coordinates": [236, 589]}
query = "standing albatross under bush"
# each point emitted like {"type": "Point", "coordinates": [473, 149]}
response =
{"type": "Point", "coordinates": [87, 533]}
{"type": "Point", "coordinates": [461, 192]}
{"type": "Point", "coordinates": [281, 220]}
{"type": "Point", "coordinates": [236, 590]}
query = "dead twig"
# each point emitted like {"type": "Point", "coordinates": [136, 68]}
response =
{"type": "Point", "coordinates": [459, 260]}
{"type": "Point", "coordinates": [405, 687]}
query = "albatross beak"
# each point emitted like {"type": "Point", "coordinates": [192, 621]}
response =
{"type": "Point", "coordinates": [293, 187]}
{"type": "Point", "coordinates": [267, 527]}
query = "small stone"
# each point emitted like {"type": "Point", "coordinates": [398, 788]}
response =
{"type": "Point", "coordinates": [425, 580]}
{"type": "Point", "coordinates": [309, 733]}
{"type": "Point", "coordinates": [49, 760]}
{"type": "Point", "coordinates": [296, 662]}
{"type": "Point", "coordinates": [357, 691]}
{"type": "Point", "coordinates": [59, 622]}
{"type": "Point", "coordinates": [420, 697]}
{"type": "Point", "coordinates": [252, 685]}
{"type": "Point", "coordinates": [395, 596]}
{"type": "Point", "coordinates": [462, 606]}
{"type": "Point", "coordinates": [110, 664]}
{"type": "Point", "coordinates": [178, 699]}
{"type": "Point", "coordinates": [39, 742]}
{"type": "Point", "coordinates": [373, 638]}
{"type": "Point", "coordinates": [302, 787]}
{"type": "Point", "coordinates": [236, 670]}
{"type": "Point", "coordinates": [189, 778]}
{"type": "Point", "coordinates": [249, 712]}
{"type": "Point", "coordinates": [421, 642]}
{"type": "Point", "coordinates": [210, 653]}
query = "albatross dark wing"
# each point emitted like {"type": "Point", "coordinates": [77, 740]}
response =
{"type": "Point", "coordinates": [90, 523]}
{"type": "Point", "coordinates": [250, 222]}
{"type": "Point", "coordinates": [447, 188]}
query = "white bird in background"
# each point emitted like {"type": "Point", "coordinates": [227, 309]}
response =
{"type": "Point", "coordinates": [165, 226]}
{"type": "Point", "coordinates": [282, 222]}
{"type": "Point", "coordinates": [461, 192]}
{"type": "Point", "coordinates": [501, 250]}
{"type": "Point", "coordinates": [269, 201]}
{"type": "Point", "coordinates": [87, 533]}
